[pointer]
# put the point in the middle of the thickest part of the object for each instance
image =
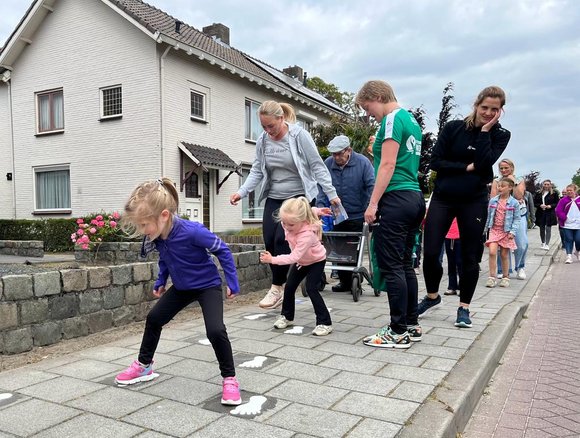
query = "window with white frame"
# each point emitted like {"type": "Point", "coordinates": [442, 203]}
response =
{"type": "Point", "coordinates": [50, 111]}
{"type": "Point", "coordinates": [111, 102]}
{"type": "Point", "coordinates": [306, 124]}
{"type": "Point", "coordinates": [52, 188]}
{"type": "Point", "coordinates": [197, 105]}
{"type": "Point", "coordinates": [251, 208]}
{"type": "Point", "coordinates": [253, 126]}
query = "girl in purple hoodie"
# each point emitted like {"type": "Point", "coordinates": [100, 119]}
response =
{"type": "Point", "coordinates": [303, 232]}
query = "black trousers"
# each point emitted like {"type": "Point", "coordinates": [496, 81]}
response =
{"type": "Point", "coordinates": [345, 277]}
{"type": "Point", "coordinates": [312, 273]}
{"type": "Point", "coordinates": [471, 218]}
{"type": "Point", "coordinates": [400, 215]}
{"type": "Point", "coordinates": [453, 252]}
{"type": "Point", "coordinates": [212, 306]}
{"type": "Point", "coordinates": [274, 239]}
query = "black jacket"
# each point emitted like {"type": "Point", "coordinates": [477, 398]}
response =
{"type": "Point", "coordinates": [546, 217]}
{"type": "Point", "coordinates": [456, 147]}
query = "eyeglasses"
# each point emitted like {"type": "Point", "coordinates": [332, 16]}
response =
{"type": "Point", "coordinates": [339, 154]}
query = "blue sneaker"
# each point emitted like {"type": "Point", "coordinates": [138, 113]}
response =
{"type": "Point", "coordinates": [427, 303]}
{"type": "Point", "coordinates": [463, 320]}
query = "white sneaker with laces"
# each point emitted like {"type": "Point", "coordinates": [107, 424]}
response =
{"type": "Point", "coordinates": [272, 299]}
{"type": "Point", "coordinates": [521, 274]}
{"type": "Point", "coordinates": [568, 259]}
{"type": "Point", "coordinates": [282, 323]}
{"type": "Point", "coordinates": [322, 330]}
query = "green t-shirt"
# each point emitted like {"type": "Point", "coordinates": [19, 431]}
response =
{"type": "Point", "coordinates": [401, 126]}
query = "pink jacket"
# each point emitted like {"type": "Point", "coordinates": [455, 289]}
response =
{"type": "Point", "coordinates": [305, 245]}
{"type": "Point", "coordinates": [453, 232]}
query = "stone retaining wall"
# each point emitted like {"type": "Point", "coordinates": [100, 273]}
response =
{"type": "Point", "coordinates": [24, 248]}
{"type": "Point", "coordinates": [44, 308]}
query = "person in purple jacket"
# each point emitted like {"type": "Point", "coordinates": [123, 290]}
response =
{"type": "Point", "coordinates": [185, 253]}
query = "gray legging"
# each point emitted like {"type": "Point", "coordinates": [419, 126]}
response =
{"type": "Point", "coordinates": [545, 233]}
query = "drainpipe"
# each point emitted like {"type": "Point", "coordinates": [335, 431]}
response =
{"type": "Point", "coordinates": [162, 107]}
{"type": "Point", "coordinates": [6, 77]}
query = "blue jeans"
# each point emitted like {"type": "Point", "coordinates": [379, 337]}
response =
{"type": "Point", "coordinates": [521, 243]}
{"type": "Point", "coordinates": [571, 238]}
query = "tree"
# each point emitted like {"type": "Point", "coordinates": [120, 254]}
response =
{"type": "Point", "coordinates": [532, 181]}
{"type": "Point", "coordinates": [576, 178]}
{"type": "Point", "coordinates": [427, 143]}
{"type": "Point", "coordinates": [343, 99]}
{"type": "Point", "coordinates": [447, 106]}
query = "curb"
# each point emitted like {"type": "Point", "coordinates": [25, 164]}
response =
{"type": "Point", "coordinates": [447, 410]}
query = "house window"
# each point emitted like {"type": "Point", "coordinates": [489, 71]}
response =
{"type": "Point", "coordinates": [253, 126]}
{"type": "Point", "coordinates": [52, 188]}
{"type": "Point", "coordinates": [111, 102]}
{"type": "Point", "coordinates": [307, 125]}
{"type": "Point", "coordinates": [251, 208]}
{"type": "Point", "coordinates": [192, 186]}
{"type": "Point", "coordinates": [197, 105]}
{"type": "Point", "coordinates": [50, 105]}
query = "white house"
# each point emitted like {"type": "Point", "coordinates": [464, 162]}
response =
{"type": "Point", "coordinates": [97, 96]}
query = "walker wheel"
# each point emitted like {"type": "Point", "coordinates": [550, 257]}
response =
{"type": "Point", "coordinates": [356, 288]}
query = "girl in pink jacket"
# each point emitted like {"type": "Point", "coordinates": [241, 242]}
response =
{"type": "Point", "coordinates": [303, 231]}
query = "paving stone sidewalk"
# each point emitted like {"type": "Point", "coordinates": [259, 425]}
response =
{"type": "Point", "coordinates": [535, 392]}
{"type": "Point", "coordinates": [293, 384]}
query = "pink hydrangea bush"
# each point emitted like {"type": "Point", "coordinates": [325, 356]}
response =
{"type": "Point", "coordinates": [96, 228]}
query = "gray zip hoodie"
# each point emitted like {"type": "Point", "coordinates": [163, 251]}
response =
{"type": "Point", "coordinates": [311, 168]}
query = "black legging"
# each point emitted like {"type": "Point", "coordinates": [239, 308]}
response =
{"type": "Point", "coordinates": [212, 306]}
{"type": "Point", "coordinates": [274, 239]}
{"type": "Point", "coordinates": [471, 218]}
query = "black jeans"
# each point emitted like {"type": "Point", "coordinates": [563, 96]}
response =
{"type": "Point", "coordinates": [345, 277]}
{"type": "Point", "coordinates": [400, 216]}
{"type": "Point", "coordinates": [212, 306]}
{"type": "Point", "coordinates": [471, 218]}
{"type": "Point", "coordinates": [312, 273]}
{"type": "Point", "coordinates": [274, 239]}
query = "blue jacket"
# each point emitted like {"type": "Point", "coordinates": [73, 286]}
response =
{"type": "Point", "coordinates": [307, 161]}
{"type": "Point", "coordinates": [512, 214]}
{"type": "Point", "coordinates": [354, 184]}
{"type": "Point", "coordinates": [186, 256]}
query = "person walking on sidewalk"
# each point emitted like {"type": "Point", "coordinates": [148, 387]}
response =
{"type": "Point", "coordinates": [503, 223]}
{"type": "Point", "coordinates": [185, 250]}
{"type": "Point", "coordinates": [398, 205]}
{"type": "Point", "coordinates": [287, 165]}
{"type": "Point", "coordinates": [546, 202]}
{"type": "Point", "coordinates": [463, 158]}
{"type": "Point", "coordinates": [303, 231]}
{"type": "Point", "coordinates": [453, 253]}
{"type": "Point", "coordinates": [353, 178]}
{"type": "Point", "coordinates": [506, 169]}
{"type": "Point", "coordinates": [568, 213]}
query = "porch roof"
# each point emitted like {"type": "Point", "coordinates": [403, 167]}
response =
{"type": "Point", "coordinates": [208, 157]}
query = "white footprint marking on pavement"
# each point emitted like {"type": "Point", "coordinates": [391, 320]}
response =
{"type": "Point", "coordinates": [256, 362]}
{"type": "Point", "coordinates": [256, 316]}
{"type": "Point", "coordinates": [295, 330]}
{"type": "Point", "coordinates": [253, 407]}
{"type": "Point", "coordinates": [204, 341]}
{"type": "Point", "coordinates": [5, 396]}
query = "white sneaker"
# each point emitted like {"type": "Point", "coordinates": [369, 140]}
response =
{"type": "Point", "coordinates": [568, 259]}
{"type": "Point", "coordinates": [504, 282]}
{"type": "Point", "coordinates": [322, 330]}
{"type": "Point", "coordinates": [282, 323]}
{"type": "Point", "coordinates": [491, 282]}
{"type": "Point", "coordinates": [521, 274]}
{"type": "Point", "coordinates": [500, 275]}
{"type": "Point", "coordinates": [545, 246]}
{"type": "Point", "coordinates": [273, 299]}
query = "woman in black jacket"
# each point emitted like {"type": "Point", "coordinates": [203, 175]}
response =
{"type": "Point", "coordinates": [546, 201]}
{"type": "Point", "coordinates": [463, 158]}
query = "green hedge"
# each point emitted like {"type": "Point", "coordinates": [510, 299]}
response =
{"type": "Point", "coordinates": [55, 233]}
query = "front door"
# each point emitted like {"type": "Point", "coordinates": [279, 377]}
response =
{"type": "Point", "coordinates": [192, 207]}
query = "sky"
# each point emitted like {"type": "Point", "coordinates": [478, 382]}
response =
{"type": "Point", "coordinates": [530, 48]}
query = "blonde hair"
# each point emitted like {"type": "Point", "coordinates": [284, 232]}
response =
{"type": "Point", "coordinates": [573, 187]}
{"type": "Point", "coordinates": [493, 91]}
{"type": "Point", "coordinates": [551, 185]}
{"type": "Point", "coordinates": [147, 201]}
{"type": "Point", "coordinates": [375, 91]}
{"type": "Point", "coordinates": [277, 109]}
{"type": "Point", "coordinates": [507, 181]}
{"type": "Point", "coordinates": [509, 162]}
{"type": "Point", "coordinates": [299, 210]}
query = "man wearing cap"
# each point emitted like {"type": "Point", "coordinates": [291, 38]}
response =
{"type": "Point", "coordinates": [353, 177]}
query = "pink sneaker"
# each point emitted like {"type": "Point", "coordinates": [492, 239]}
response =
{"type": "Point", "coordinates": [136, 373]}
{"type": "Point", "coordinates": [231, 392]}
